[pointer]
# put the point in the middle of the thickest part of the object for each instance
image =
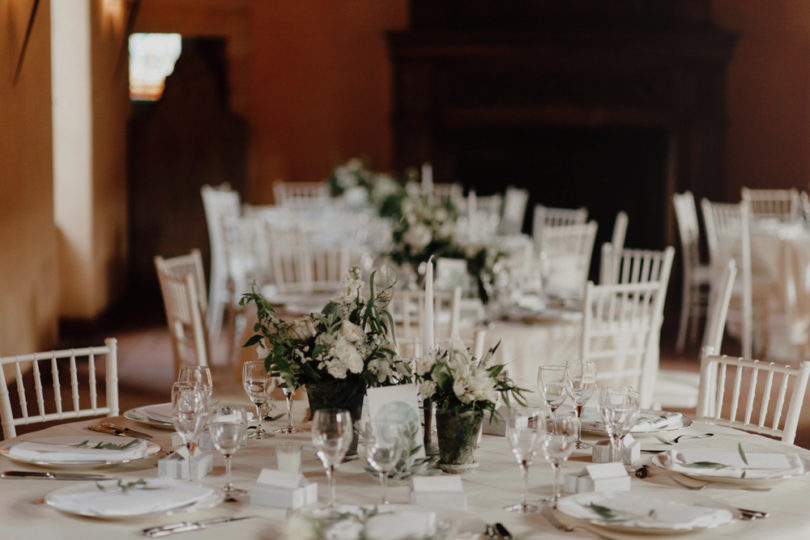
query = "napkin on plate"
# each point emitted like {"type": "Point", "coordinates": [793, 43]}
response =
{"type": "Point", "coordinates": [397, 525]}
{"type": "Point", "coordinates": [643, 511]}
{"type": "Point", "coordinates": [162, 494]}
{"type": "Point", "coordinates": [161, 412]}
{"type": "Point", "coordinates": [657, 421]}
{"type": "Point", "coordinates": [55, 452]}
{"type": "Point", "coordinates": [731, 464]}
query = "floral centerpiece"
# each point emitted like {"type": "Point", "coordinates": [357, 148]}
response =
{"type": "Point", "coordinates": [463, 388]}
{"type": "Point", "coordinates": [379, 190]}
{"type": "Point", "coordinates": [336, 353]}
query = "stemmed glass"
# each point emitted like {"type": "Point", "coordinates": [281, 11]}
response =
{"type": "Point", "coordinates": [188, 412]}
{"type": "Point", "coordinates": [558, 443]}
{"type": "Point", "coordinates": [332, 432]}
{"type": "Point", "coordinates": [200, 375]}
{"type": "Point", "coordinates": [289, 393]}
{"type": "Point", "coordinates": [618, 407]}
{"type": "Point", "coordinates": [258, 384]}
{"type": "Point", "coordinates": [384, 446]}
{"type": "Point", "coordinates": [228, 426]}
{"type": "Point", "coordinates": [551, 385]}
{"type": "Point", "coordinates": [580, 382]}
{"type": "Point", "coordinates": [524, 431]}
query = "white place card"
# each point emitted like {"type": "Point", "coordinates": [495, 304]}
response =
{"type": "Point", "coordinates": [437, 483]}
{"type": "Point", "coordinates": [282, 479]}
{"type": "Point", "coordinates": [177, 465]}
{"type": "Point", "coordinates": [395, 404]}
{"type": "Point", "coordinates": [601, 477]}
{"type": "Point", "coordinates": [438, 491]}
{"type": "Point", "coordinates": [283, 489]}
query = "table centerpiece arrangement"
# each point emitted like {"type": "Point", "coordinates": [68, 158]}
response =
{"type": "Point", "coordinates": [463, 388]}
{"type": "Point", "coordinates": [337, 353]}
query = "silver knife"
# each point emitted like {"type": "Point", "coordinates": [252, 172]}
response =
{"type": "Point", "coordinates": [127, 431]}
{"type": "Point", "coordinates": [48, 475]}
{"type": "Point", "coordinates": [185, 526]}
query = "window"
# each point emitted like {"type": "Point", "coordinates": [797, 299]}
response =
{"type": "Point", "coordinates": [151, 60]}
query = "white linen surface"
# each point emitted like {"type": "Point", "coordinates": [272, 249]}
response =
{"type": "Point", "coordinates": [163, 494]}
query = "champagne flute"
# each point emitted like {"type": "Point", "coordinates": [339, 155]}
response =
{"type": "Point", "coordinates": [258, 384]}
{"type": "Point", "coordinates": [188, 410]}
{"type": "Point", "coordinates": [200, 375]}
{"type": "Point", "coordinates": [580, 382]}
{"type": "Point", "coordinates": [384, 446]}
{"type": "Point", "coordinates": [289, 394]}
{"type": "Point", "coordinates": [551, 385]}
{"type": "Point", "coordinates": [558, 443]}
{"type": "Point", "coordinates": [332, 432]}
{"type": "Point", "coordinates": [618, 407]}
{"type": "Point", "coordinates": [524, 431]}
{"type": "Point", "coordinates": [228, 425]}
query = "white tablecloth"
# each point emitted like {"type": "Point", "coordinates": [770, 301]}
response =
{"type": "Point", "coordinates": [495, 483]}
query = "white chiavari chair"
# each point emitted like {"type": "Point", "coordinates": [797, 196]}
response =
{"type": "Point", "coordinates": [302, 195]}
{"type": "Point", "coordinates": [452, 191]}
{"type": "Point", "coordinates": [301, 267]}
{"type": "Point", "coordinates": [84, 400]}
{"type": "Point", "coordinates": [696, 276]}
{"type": "Point", "coordinates": [758, 393]}
{"type": "Point", "coordinates": [185, 307]}
{"type": "Point", "coordinates": [218, 202]}
{"type": "Point", "coordinates": [621, 332]}
{"type": "Point", "coordinates": [514, 211]}
{"type": "Point", "coordinates": [779, 204]}
{"type": "Point", "coordinates": [566, 256]}
{"type": "Point", "coordinates": [545, 216]}
{"type": "Point", "coordinates": [678, 389]}
{"type": "Point", "coordinates": [407, 308]}
{"type": "Point", "coordinates": [635, 265]}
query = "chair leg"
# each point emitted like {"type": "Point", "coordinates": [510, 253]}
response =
{"type": "Point", "coordinates": [686, 305]}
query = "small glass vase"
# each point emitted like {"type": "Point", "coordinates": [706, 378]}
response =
{"type": "Point", "coordinates": [458, 438]}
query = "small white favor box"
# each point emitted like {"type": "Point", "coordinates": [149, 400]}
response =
{"type": "Point", "coordinates": [283, 489]}
{"type": "Point", "coordinates": [442, 491]}
{"type": "Point", "coordinates": [631, 454]}
{"type": "Point", "coordinates": [175, 465]}
{"type": "Point", "coordinates": [602, 477]}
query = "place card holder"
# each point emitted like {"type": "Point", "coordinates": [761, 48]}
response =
{"type": "Point", "coordinates": [440, 491]}
{"type": "Point", "coordinates": [283, 489]}
{"type": "Point", "coordinates": [179, 464]}
{"type": "Point", "coordinates": [631, 454]}
{"type": "Point", "coordinates": [490, 427]}
{"type": "Point", "coordinates": [602, 477]}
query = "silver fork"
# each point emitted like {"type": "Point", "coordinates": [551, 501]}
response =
{"type": "Point", "coordinates": [677, 439]}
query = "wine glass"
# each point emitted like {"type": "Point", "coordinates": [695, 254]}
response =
{"type": "Point", "coordinates": [580, 382]}
{"type": "Point", "coordinates": [200, 375]}
{"type": "Point", "coordinates": [618, 407]}
{"type": "Point", "coordinates": [289, 394]}
{"type": "Point", "coordinates": [558, 443]}
{"type": "Point", "coordinates": [258, 384]}
{"type": "Point", "coordinates": [551, 385]}
{"type": "Point", "coordinates": [228, 425]}
{"type": "Point", "coordinates": [384, 446]}
{"type": "Point", "coordinates": [188, 412]}
{"type": "Point", "coordinates": [332, 432]}
{"type": "Point", "coordinates": [524, 431]}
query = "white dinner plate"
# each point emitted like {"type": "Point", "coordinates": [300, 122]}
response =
{"type": "Point", "coordinates": [647, 513]}
{"type": "Point", "coordinates": [151, 415]}
{"type": "Point", "coordinates": [106, 500]}
{"type": "Point", "coordinates": [152, 450]}
{"type": "Point", "coordinates": [733, 476]}
{"type": "Point", "coordinates": [448, 521]}
{"type": "Point", "coordinates": [592, 423]}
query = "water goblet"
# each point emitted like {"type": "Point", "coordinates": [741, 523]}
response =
{"type": "Point", "coordinates": [551, 385]}
{"type": "Point", "coordinates": [384, 447]}
{"type": "Point", "coordinates": [618, 407]}
{"type": "Point", "coordinates": [332, 432]}
{"type": "Point", "coordinates": [188, 413]}
{"type": "Point", "coordinates": [580, 382]}
{"type": "Point", "coordinates": [558, 443]}
{"type": "Point", "coordinates": [524, 431]}
{"type": "Point", "coordinates": [258, 384]}
{"type": "Point", "coordinates": [227, 424]}
{"type": "Point", "coordinates": [200, 375]}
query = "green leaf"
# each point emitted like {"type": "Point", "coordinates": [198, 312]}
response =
{"type": "Point", "coordinates": [607, 514]}
{"type": "Point", "coordinates": [742, 454]}
{"type": "Point", "coordinates": [705, 465]}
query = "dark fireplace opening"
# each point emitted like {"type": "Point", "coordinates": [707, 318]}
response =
{"type": "Point", "coordinates": [602, 169]}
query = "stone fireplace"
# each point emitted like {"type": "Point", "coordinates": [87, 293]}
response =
{"type": "Point", "coordinates": [606, 104]}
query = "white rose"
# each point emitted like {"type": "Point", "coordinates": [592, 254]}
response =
{"type": "Point", "coordinates": [348, 356]}
{"type": "Point", "coordinates": [336, 369]}
{"type": "Point", "coordinates": [351, 332]}
{"type": "Point", "coordinates": [417, 236]}
{"type": "Point", "coordinates": [298, 527]}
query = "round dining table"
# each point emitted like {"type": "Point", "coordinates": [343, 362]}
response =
{"type": "Point", "coordinates": [496, 482]}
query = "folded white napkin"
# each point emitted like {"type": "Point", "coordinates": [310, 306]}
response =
{"type": "Point", "coordinates": [159, 494]}
{"type": "Point", "coordinates": [631, 510]}
{"type": "Point", "coordinates": [657, 421]}
{"type": "Point", "coordinates": [386, 526]}
{"type": "Point", "coordinates": [161, 412]}
{"type": "Point", "coordinates": [731, 465]}
{"type": "Point", "coordinates": [54, 452]}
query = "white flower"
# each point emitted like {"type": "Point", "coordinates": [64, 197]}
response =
{"type": "Point", "coordinates": [336, 369]}
{"type": "Point", "coordinates": [423, 364]}
{"type": "Point", "coordinates": [303, 328]}
{"type": "Point", "coordinates": [261, 350]}
{"type": "Point", "coordinates": [347, 354]}
{"type": "Point", "coordinates": [418, 236]}
{"type": "Point", "coordinates": [298, 527]}
{"type": "Point", "coordinates": [427, 389]}
{"type": "Point", "coordinates": [352, 332]}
